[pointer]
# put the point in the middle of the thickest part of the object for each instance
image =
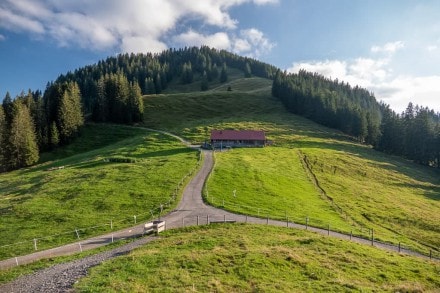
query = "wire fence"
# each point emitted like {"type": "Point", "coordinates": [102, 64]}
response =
{"type": "Point", "coordinates": [52, 241]}
{"type": "Point", "coordinates": [266, 215]}
{"type": "Point", "coordinates": [358, 231]}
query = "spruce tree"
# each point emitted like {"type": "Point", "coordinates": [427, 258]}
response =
{"type": "Point", "coordinates": [54, 136]}
{"type": "Point", "coordinates": [204, 86]}
{"type": "Point", "coordinates": [135, 103]}
{"type": "Point", "coordinates": [224, 74]}
{"type": "Point", "coordinates": [3, 136]}
{"type": "Point", "coordinates": [23, 148]}
{"type": "Point", "coordinates": [70, 116]}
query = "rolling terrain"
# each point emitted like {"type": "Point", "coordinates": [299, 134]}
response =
{"type": "Point", "coordinates": [310, 172]}
{"type": "Point", "coordinates": [110, 174]}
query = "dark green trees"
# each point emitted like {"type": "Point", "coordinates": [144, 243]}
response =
{"type": "Point", "coordinates": [335, 104]}
{"type": "Point", "coordinates": [3, 137]}
{"type": "Point", "coordinates": [32, 123]}
{"type": "Point", "coordinates": [204, 86]}
{"type": "Point", "coordinates": [22, 149]}
{"type": "Point", "coordinates": [70, 116]}
{"type": "Point", "coordinates": [118, 100]}
{"type": "Point", "coordinates": [224, 74]}
{"type": "Point", "coordinates": [412, 134]}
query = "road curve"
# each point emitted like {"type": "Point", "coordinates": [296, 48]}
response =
{"type": "Point", "coordinates": [190, 211]}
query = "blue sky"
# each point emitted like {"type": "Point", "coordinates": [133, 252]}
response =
{"type": "Point", "coordinates": [390, 47]}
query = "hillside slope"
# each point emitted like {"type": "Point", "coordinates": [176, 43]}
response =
{"type": "Point", "coordinates": [247, 258]}
{"type": "Point", "coordinates": [361, 189]}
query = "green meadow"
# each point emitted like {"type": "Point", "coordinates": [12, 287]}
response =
{"type": "Point", "coordinates": [251, 258]}
{"type": "Point", "coordinates": [108, 175]}
{"type": "Point", "coordinates": [355, 189]}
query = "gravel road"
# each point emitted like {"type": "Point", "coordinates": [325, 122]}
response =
{"type": "Point", "coordinates": [190, 211]}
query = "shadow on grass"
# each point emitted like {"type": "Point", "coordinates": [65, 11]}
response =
{"type": "Point", "coordinates": [165, 153]}
{"type": "Point", "coordinates": [396, 164]}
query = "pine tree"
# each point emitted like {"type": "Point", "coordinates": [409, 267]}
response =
{"type": "Point", "coordinates": [149, 86]}
{"type": "Point", "coordinates": [204, 86]}
{"type": "Point", "coordinates": [224, 74]}
{"type": "Point", "coordinates": [3, 135]}
{"type": "Point", "coordinates": [8, 108]}
{"type": "Point", "coordinates": [23, 149]}
{"type": "Point", "coordinates": [135, 103]}
{"type": "Point", "coordinates": [54, 136]}
{"type": "Point", "coordinates": [70, 117]}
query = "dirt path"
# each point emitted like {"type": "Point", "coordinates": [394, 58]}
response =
{"type": "Point", "coordinates": [190, 211]}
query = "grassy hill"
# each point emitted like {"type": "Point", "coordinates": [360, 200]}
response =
{"type": "Point", "coordinates": [358, 188]}
{"type": "Point", "coordinates": [246, 258]}
{"type": "Point", "coordinates": [310, 172]}
{"type": "Point", "coordinates": [108, 175]}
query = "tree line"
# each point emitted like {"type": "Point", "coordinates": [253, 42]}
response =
{"type": "Point", "coordinates": [153, 72]}
{"type": "Point", "coordinates": [33, 122]}
{"type": "Point", "coordinates": [109, 91]}
{"type": "Point", "coordinates": [414, 134]}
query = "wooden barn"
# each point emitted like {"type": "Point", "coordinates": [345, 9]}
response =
{"type": "Point", "coordinates": [237, 138]}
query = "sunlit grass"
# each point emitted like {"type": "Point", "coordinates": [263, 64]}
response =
{"type": "Point", "coordinates": [365, 189]}
{"type": "Point", "coordinates": [90, 190]}
{"type": "Point", "coordinates": [244, 258]}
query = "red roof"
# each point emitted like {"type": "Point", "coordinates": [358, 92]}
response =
{"type": "Point", "coordinates": [238, 135]}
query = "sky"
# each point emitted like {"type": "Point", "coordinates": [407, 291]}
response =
{"type": "Point", "coordinates": [391, 47]}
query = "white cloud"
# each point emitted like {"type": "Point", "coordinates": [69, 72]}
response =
{"type": "Point", "coordinates": [15, 22]}
{"type": "Point", "coordinates": [2, 37]}
{"type": "Point", "coordinates": [218, 40]}
{"type": "Point", "coordinates": [432, 48]}
{"type": "Point", "coordinates": [391, 47]}
{"type": "Point", "coordinates": [264, 2]}
{"type": "Point", "coordinates": [377, 75]}
{"type": "Point", "coordinates": [250, 42]}
{"type": "Point", "coordinates": [134, 25]}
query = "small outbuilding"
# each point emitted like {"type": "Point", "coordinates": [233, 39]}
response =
{"type": "Point", "coordinates": [238, 138]}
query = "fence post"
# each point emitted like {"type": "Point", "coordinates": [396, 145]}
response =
{"type": "Point", "coordinates": [16, 261]}
{"type": "Point", "coordinates": [207, 219]}
{"type": "Point", "coordinates": [351, 234]}
{"type": "Point", "coordinates": [287, 222]}
{"type": "Point", "coordinates": [430, 254]}
{"type": "Point", "coordinates": [328, 229]}
{"type": "Point", "coordinates": [245, 219]}
{"type": "Point", "coordinates": [372, 237]}
{"type": "Point", "coordinates": [267, 220]}
{"type": "Point", "coordinates": [134, 219]}
{"type": "Point", "coordinates": [77, 233]}
{"type": "Point", "coordinates": [399, 246]}
{"type": "Point", "coordinates": [183, 222]}
{"type": "Point", "coordinates": [80, 247]}
{"type": "Point", "coordinates": [35, 243]}
{"type": "Point", "coordinates": [197, 220]}
{"type": "Point", "coordinates": [307, 222]}
{"type": "Point", "coordinates": [112, 238]}
{"type": "Point", "coordinates": [224, 218]}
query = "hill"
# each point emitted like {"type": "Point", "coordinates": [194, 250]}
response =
{"type": "Point", "coordinates": [311, 174]}
{"type": "Point", "coordinates": [244, 258]}
{"type": "Point", "coordinates": [98, 183]}
{"type": "Point", "coordinates": [310, 171]}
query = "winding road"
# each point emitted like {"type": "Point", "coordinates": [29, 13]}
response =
{"type": "Point", "coordinates": [190, 211]}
